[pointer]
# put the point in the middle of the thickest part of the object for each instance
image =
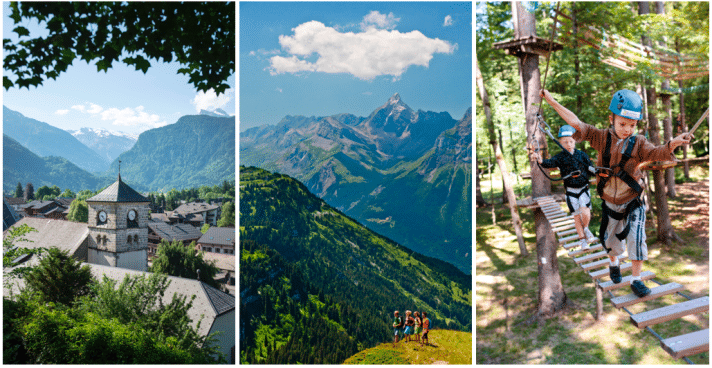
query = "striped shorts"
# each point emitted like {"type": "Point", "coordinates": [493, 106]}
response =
{"type": "Point", "coordinates": [635, 241]}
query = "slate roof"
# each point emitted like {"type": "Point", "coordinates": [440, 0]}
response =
{"type": "Point", "coordinates": [9, 217]}
{"type": "Point", "coordinates": [12, 201]}
{"type": "Point", "coordinates": [219, 235]}
{"type": "Point", "coordinates": [159, 217]}
{"type": "Point", "coordinates": [65, 235]}
{"type": "Point", "coordinates": [118, 192]}
{"type": "Point", "coordinates": [37, 204]}
{"type": "Point", "coordinates": [175, 232]}
{"type": "Point", "coordinates": [194, 207]}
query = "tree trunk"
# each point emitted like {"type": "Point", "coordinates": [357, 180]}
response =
{"type": "Point", "coordinates": [551, 292]}
{"type": "Point", "coordinates": [681, 120]}
{"type": "Point", "coordinates": [667, 122]}
{"type": "Point", "coordinates": [666, 233]}
{"type": "Point", "coordinates": [577, 71]}
{"type": "Point", "coordinates": [479, 199]}
{"type": "Point", "coordinates": [503, 172]}
{"type": "Point", "coordinates": [508, 189]}
{"type": "Point", "coordinates": [489, 172]}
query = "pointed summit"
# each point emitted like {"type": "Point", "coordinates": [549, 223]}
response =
{"type": "Point", "coordinates": [394, 99]}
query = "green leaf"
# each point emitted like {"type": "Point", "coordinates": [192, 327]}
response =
{"type": "Point", "coordinates": [7, 83]}
{"type": "Point", "coordinates": [21, 31]}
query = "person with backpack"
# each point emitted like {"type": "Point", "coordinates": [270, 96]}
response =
{"type": "Point", "coordinates": [397, 327]}
{"type": "Point", "coordinates": [619, 178]}
{"type": "Point", "coordinates": [426, 329]}
{"type": "Point", "coordinates": [574, 166]}
{"type": "Point", "coordinates": [409, 322]}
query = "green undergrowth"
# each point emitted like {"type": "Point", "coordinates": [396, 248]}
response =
{"type": "Point", "coordinates": [506, 293]}
{"type": "Point", "coordinates": [445, 347]}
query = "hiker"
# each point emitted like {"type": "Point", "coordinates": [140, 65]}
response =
{"type": "Point", "coordinates": [409, 322]}
{"type": "Point", "coordinates": [397, 327]}
{"type": "Point", "coordinates": [620, 185]}
{"type": "Point", "coordinates": [418, 326]}
{"type": "Point", "coordinates": [426, 329]}
{"type": "Point", "coordinates": [574, 167]}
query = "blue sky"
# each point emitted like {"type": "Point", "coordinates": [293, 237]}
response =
{"type": "Point", "coordinates": [325, 58]}
{"type": "Point", "coordinates": [122, 99]}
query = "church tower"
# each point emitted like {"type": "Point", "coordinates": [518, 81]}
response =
{"type": "Point", "coordinates": [118, 218]}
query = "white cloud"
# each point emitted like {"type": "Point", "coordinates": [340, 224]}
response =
{"type": "Point", "coordinates": [95, 109]}
{"type": "Point", "coordinates": [448, 21]}
{"type": "Point", "coordinates": [132, 117]}
{"type": "Point", "coordinates": [365, 55]}
{"type": "Point", "coordinates": [375, 19]}
{"type": "Point", "coordinates": [278, 90]}
{"type": "Point", "coordinates": [211, 101]}
{"type": "Point", "coordinates": [79, 108]}
{"type": "Point", "coordinates": [62, 112]}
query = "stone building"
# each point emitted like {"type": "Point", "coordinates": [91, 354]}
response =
{"type": "Point", "coordinates": [118, 224]}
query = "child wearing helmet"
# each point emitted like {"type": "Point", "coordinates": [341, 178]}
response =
{"type": "Point", "coordinates": [574, 167]}
{"type": "Point", "coordinates": [621, 151]}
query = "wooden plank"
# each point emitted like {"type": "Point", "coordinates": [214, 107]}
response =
{"type": "Point", "coordinates": [581, 251]}
{"type": "Point", "coordinates": [590, 257]}
{"type": "Point", "coordinates": [564, 233]}
{"type": "Point", "coordinates": [568, 239]}
{"type": "Point", "coordinates": [687, 344]}
{"type": "Point", "coordinates": [604, 273]}
{"type": "Point", "coordinates": [562, 220]}
{"type": "Point", "coordinates": [601, 263]}
{"type": "Point", "coordinates": [675, 311]}
{"type": "Point", "coordinates": [556, 228]}
{"type": "Point", "coordinates": [656, 292]}
{"type": "Point", "coordinates": [610, 285]}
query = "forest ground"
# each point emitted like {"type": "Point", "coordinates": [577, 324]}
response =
{"type": "Point", "coordinates": [506, 291]}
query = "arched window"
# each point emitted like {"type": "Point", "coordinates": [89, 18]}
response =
{"type": "Point", "coordinates": [128, 239]}
{"type": "Point", "coordinates": [136, 238]}
{"type": "Point", "coordinates": [104, 239]}
{"type": "Point", "coordinates": [98, 239]}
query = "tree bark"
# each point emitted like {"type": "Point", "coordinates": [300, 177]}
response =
{"type": "Point", "coordinates": [681, 122]}
{"type": "Point", "coordinates": [666, 233]}
{"type": "Point", "coordinates": [667, 122]}
{"type": "Point", "coordinates": [552, 296]}
{"type": "Point", "coordinates": [508, 189]}
{"type": "Point", "coordinates": [479, 199]}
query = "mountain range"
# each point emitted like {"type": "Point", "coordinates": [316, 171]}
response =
{"type": "Point", "coordinates": [46, 140]}
{"type": "Point", "coordinates": [316, 286]}
{"type": "Point", "coordinates": [394, 171]}
{"type": "Point", "coordinates": [196, 150]}
{"type": "Point", "coordinates": [106, 143]}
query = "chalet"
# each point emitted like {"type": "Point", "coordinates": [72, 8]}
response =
{"type": "Point", "coordinates": [158, 231]}
{"type": "Point", "coordinates": [9, 216]}
{"type": "Point", "coordinates": [208, 213]}
{"type": "Point", "coordinates": [226, 264]}
{"type": "Point", "coordinates": [160, 217]}
{"type": "Point", "coordinates": [15, 203]}
{"type": "Point", "coordinates": [218, 240]}
{"type": "Point", "coordinates": [57, 208]}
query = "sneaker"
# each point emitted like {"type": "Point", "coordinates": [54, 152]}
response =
{"type": "Point", "coordinates": [589, 235]}
{"type": "Point", "coordinates": [583, 243]}
{"type": "Point", "coordinates": [639, 288]}
{"type": "Point", "coordinates": [615, 272]}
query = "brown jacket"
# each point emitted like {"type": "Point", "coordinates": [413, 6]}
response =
{"type": "Point", "coordinates": [615, 190]}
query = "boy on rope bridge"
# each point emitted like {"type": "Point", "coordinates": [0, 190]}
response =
{"type": "Point", "coordinates": [620, 184]}
{"type": "Point", "coordinates": [574, 167]}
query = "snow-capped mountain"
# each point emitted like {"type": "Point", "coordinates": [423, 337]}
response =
{"type": "Point", "coordinates": [218, 113]}
{"type": "Point", "coordinates": [108, 144]}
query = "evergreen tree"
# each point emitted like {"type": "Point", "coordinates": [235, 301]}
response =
{"type": "Point", "coordinates": [59, 278]}
{"type": "Point", "coordinates": [29, 194]}
{"type": "Point", "coordinates": [205, 228]}
{"type": "Point", "coordinates": [18, 190]}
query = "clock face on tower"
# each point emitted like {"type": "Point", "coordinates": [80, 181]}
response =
{"type": "Point", "coordinates": [132, 215]}
{"type": "Point", "coordinates": [102, 217]}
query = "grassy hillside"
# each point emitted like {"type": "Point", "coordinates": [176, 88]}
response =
{"type": "Point", "coordinates": [446, 347]}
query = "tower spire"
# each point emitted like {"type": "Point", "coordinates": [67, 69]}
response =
{"type": "Point", "coordinates": [119, 170]}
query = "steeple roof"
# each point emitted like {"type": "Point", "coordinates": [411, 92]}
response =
{"type": "Point", "coordinates": [118, 192]}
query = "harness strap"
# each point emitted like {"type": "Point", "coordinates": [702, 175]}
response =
{"type": "Point", "coordinates": [577, 195]}
{"type": "Point", "coordinates": [622, 173]}
{"type": "Point", "coordinates": [607, 212]}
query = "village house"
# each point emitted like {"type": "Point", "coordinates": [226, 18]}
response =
{"type": "Point", "coordinates": [218, 240]}
{"type": "Point", "coordinates": [197, 213]}
{"type": "Point", "coordinates": [158, 231]}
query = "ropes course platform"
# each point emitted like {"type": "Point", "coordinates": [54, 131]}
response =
{"type": "Point", "coordinates": [594, 257]}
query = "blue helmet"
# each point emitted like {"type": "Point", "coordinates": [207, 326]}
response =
{"type": "Point", "coordinates": [627, 104]}
{"type": "Point", "coordinates": [566, 131]}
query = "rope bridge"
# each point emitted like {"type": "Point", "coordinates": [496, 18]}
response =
{"type": "Point", "coordinates": [595, 257]}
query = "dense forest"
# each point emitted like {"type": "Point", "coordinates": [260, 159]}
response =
{"type": "Point", "coordinates": [577, 76]}
{"type": "Point", "coordinates": [311, 274]}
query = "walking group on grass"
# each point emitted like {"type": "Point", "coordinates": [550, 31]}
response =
{"type": "Point", "coordinates": [412, 328]}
